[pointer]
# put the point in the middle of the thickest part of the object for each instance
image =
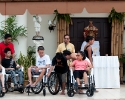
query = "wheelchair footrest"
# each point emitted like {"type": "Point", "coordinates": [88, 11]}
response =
{"type": "Point", "coordinates": [82, 87]}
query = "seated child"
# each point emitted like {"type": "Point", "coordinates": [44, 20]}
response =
{"type": "Point", "coordinates": [42, 63]}
{"type": "Point", "coordinates": [2, 73]}
{"type": "Point", "coordinates": [81, 66]}
{"type": "Point", "coordinates": [12, 68]}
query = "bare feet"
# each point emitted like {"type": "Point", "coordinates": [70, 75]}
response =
{"type": "Point", "coordinates": [62, 93]}
{"type": "Point", "coordinates": [3, 90]}
{"type": "Point", "coordinates": [33, 85]}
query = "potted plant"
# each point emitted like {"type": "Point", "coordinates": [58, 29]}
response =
{"type": "Point", "coordinates": [27, 61]}
{"type": "Point", "coordinates": [10, 26]}
{"type": "Point", "coordinates": [122, 59]}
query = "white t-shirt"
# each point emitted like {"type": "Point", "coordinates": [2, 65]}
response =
{"type": "Point", "coordinates": [43, 61]}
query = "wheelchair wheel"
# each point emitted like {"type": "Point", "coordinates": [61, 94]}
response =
{"type": "Point", "coordinates": [90, 91]}
{"type": "Point", "coordinates": [44, 92]}
{"type": "Point", "coordinates": [53, 84]}
{"type": "Point", "coordinates": [38, 88]}
{"type": "Point", "coordinates": [70, 93]}
{"type": "Point", "coordinates": [2, 94]}
{"type": "Point", "coordinates": [21, 90]}
{"type": "Point", "coordinates": [27, 90]}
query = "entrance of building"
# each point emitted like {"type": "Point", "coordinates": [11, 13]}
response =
{"type": "Point", "coordinates": [104, 33]}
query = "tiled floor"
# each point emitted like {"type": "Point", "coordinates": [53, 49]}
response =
{"type": "Point", "coordinates": [103, 94]}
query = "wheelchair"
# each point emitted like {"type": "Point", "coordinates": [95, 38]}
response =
{"type": "Point", "coordinates": [72, 85]}
{"type": "Point", "coordinates": [54, 83]}
{"type": "Point", "coordinates": [40, 85]}
{"type": "Point", "coordinates": [9, 84]}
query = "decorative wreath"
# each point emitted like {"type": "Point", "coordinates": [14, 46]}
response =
{"type": "Point", "coordinates": [90, 30]}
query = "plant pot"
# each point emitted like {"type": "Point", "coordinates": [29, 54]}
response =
{"type": "Point", "coordinates": [26, 82]}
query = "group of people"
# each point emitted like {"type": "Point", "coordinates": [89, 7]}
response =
{"type": "Point", "coordinates": [64, 59]}
{"type": "Point", "coordinates": [8, 64]}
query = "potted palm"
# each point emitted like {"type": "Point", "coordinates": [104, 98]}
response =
{"type": "Point", "coordinates": [10, 26]}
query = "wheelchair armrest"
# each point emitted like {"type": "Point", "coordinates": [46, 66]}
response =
{"type": "Point", "coordinates": [22, 68]}
{"type": "Point", "coordinates": [71, 71]}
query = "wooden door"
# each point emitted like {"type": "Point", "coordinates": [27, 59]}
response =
{"type": "Point", "coordinates": [104, 33]}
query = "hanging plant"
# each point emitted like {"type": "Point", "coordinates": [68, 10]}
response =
{"type": "Point", "coordinates": [115, 15]}
{"type": "Point", "coordinates": [65, 17]}
{"type": "Point", "coordinates": [58, 16]}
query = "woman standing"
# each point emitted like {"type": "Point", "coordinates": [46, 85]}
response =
{"type": "Point", "coordinates": [88, 49]}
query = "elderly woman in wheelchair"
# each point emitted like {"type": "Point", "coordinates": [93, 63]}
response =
{"type": "Point", "coordinates": [81, 66]}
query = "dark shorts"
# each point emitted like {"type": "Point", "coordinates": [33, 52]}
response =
{"type": "Point", "coordinates": [33, 72]}
{"type": "Point", "coordinates": [79, 73]}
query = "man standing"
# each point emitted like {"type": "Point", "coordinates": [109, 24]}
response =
{"type": "Point", "coordinates": [6, 44]}
{"type": "Point", "coordinates": [66, 45]}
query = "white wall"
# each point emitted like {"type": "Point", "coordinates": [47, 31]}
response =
{"type": "Point", "coordinates": [50, 42]}
{"type": "Point", "coordinates": [22, 45]}
{"type": "Point", "coordinates": [50, 39]}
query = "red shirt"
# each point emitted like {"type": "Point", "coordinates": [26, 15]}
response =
{"type": "Point", "coordinates": [3, 46]}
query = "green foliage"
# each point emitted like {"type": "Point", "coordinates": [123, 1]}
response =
{"type": "Point", "coordinates": [10, 26]}
{"type": "Point", "coordinates": [65, 17]}
{"type": "Point", "coordinates": [27, 61]}
{"type": "Point", "coordinates": [122, 59]}
{"type": "Point", "coordinates": [115, 15]}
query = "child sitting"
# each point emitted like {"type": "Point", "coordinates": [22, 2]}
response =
{"type": "Point", "coordinates": [11, 68]}
{"type": "Point", "coordinates": [42, 63]}
{"type": "Point", "coordinates": [81, 66]}
{"type": "Point", "coordinates": [2, 73]}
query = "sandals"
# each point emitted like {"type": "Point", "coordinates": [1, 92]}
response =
{"type": "Point", "coordinates": [3, 90]}
{"type": "Point", "coordinates": [20, 86]}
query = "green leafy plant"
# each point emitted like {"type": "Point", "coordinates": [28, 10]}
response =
{"type": "Point", "coordinates": [59, 16]}
{"type": "Point", "coordinates": [122, 59]}
{"type": "Point", "coordinates": [27, 61]}
{"type": "Point", "coordinates": [10, 26]}
{"type": "Point", "coordinates": [115, 15]}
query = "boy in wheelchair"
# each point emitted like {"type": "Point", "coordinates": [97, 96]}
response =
{"type": "Point", "coordinates": [81, 68]}
{"type": "Point", "coordinates": [12, 68]}
{"type": "Point", "coordinates": [2, 73]}
{"type": "Point", "coordinates": [42, 63]}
